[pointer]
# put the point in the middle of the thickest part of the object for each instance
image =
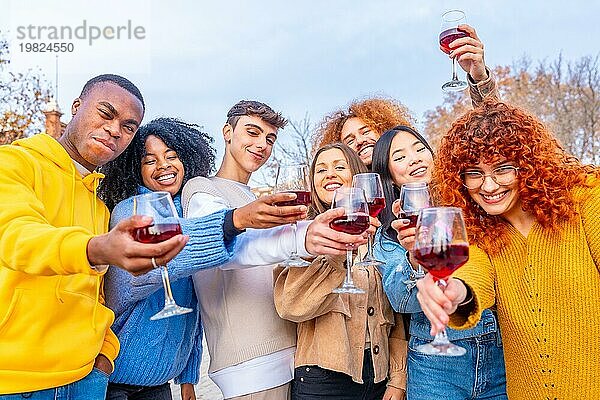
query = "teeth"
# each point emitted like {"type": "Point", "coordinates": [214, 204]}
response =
{"type": "Point", "coordinates": [494, 197]}
{"type": "Point", "coordinates": [364, 149]}
{"type": "Point", "coordinates": [418, 171]}
{"type": "Point", "coordinates": [165, 177]}
{"type": "Point", "coordinates": [332, 186]}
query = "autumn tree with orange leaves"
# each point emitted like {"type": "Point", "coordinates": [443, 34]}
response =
{"type": "Point", "coordinates": [564, 95]}
{"type": "Point", "coordinates": [23, 96]}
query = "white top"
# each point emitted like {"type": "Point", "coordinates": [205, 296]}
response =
{"type": "Point", "coordinates": [253, 248]}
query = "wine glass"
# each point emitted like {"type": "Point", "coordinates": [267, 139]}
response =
{"type": "Point", "coordinates": [294, 179]}
{"type": "Point", "coordinates": [355, 221]}
{"type": "Point", "coordinates": [159, 206]}
{"type": "Point", "coordinates": [371, 184]}
{"type": "Point", "coordinates": [414, 196]}
{"type": "Point", "coordinates": [448, 33]}
{"type": "Point", "coordinates": [441, 246]}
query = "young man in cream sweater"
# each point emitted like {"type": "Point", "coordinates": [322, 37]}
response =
{"type": "Point", "coordinates": [251, 347]}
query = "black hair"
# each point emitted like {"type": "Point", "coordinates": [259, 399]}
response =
{"type": "Point", "coordinates": [256, 108]}
{"type": "Point", "coordinates": [117, 80]}
{"type": "Point", "coordinates": [123, 174]}
{"type": "Point", "coordinates": [380, 164]}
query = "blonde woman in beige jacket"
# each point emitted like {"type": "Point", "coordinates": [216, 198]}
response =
{"type": "Point", "coordinates": [348, 346]}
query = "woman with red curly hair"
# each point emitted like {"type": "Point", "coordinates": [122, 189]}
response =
{"type": "Point", "coordinates": [533, 216]}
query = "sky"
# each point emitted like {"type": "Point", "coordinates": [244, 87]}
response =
{"type": "Point", "coordinates": [306, 59]}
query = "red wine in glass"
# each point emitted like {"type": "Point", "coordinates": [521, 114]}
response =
{"type": "Point", "coordinates": [448, 36]}
{"type": "Point", "coordinates": [376, 205]}
{"type": "Point", "coordinates": [352, 224]}
{"type": "Point", "coordinates": [303, 198]}
{"type": "Point", "coordinates": [411, 217]}
{"type": "Point", "coordinates": [156, 233]}
{"type": "Point", "coordinates": [442, 261]}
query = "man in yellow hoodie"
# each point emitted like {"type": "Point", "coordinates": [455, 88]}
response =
{"type": "Point", "coordinates": [55, 337]}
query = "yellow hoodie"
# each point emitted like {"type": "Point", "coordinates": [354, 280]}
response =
{"type": "Point", "coordinates": [52, 321]}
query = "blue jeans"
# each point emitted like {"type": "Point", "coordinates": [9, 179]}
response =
{"type": "Point", "coordinates": [479, 374]}
{"type": "Point", "coordinates": [91, 387]}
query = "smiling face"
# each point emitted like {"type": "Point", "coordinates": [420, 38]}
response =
{"type": "Point", "coordinates": [360, 138]}
{"type": "Point", "coordinates": [410, 160]}
{"type": "Point", "coordinates": [496, 199]}
{"type": "Point", "coordinates": [250, 143]}
{"type": "Point", "coordinates": [104, 123]}
{"type": "Point", "coordinates": [162, 170]}
{"type": "Point", "coordinates": [332, 171]}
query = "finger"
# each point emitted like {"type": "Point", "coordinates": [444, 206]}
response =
{"type": "Point", "coordinates": [137, 221]}
{"type": "Point", "coordinates": [396, 207]}
{"type": "Point", "coordinates": [330, 215]}
{"type": "Point", "coordinates": [149, 250]}
{"type": "Point", "coordinates": [400, 224]}
{"type": "Point", "coordinates": [332, 244]}
{"type": "Point", "coordinates": [273, 199]}
{"type": "Point", "coordinates": [467, 49]}
{"type": "Point", "coordinates": [169, 255]}
{"type": "Point", "coordinates": [286, 210]}
{"type": "Point", "coordinates": [469, 30]}
{"type": "Point", "coordinates": [374, 222]}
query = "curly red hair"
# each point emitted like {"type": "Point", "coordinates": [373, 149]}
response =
{"type": "Point", "coordinates": [547, 173]}
{"type": "Point", "coordinates": [378, 113]}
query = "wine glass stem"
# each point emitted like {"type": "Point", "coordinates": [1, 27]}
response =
{"type": "Point", "coordinates": [441, 338]}
{"type": "Point", "coordinates": [165, 278]}
{"type": "Point", "coordinates": [348, 280]}
{"type": "Point", "coordinates": [295, 248]}
{"type": "Point", "coordinates": [454, 75]}
{"type": "Point", "coordinates": [370, 247]}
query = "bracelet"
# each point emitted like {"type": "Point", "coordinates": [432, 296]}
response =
{"type": "Point", "coordinates": [468, 299]}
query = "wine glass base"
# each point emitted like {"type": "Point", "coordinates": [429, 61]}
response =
{"type": "Point", "coordinates": [349, 289]}
{"type": "Point", "coordinates": [449, 350]}
{"type": "Point", "coordinates": [170, 310]}
{"type": "Point", "coordinates": [295, 262]}
{"type": "Point", "coordinates": [369, 262]}
{"type": "Point", "coordinates": [454, 86]}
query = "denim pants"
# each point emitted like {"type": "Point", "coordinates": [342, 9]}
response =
{"type": "Point", "coordinates": [316, 383]}
{"type": "Point", "coordinates": [479, 374]}
{"type": "Point", "coordinates": [92, 387]}
{"type": "Point", "coordinates": [119, 391]}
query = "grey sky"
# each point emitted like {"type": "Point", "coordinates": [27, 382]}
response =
{"type": "Point", "coordinates": [308, 57]}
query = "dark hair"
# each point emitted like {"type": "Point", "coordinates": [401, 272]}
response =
{"type": "Point", "coordinates": [255, 108]}
{"type": "Point", "coordinates": [354, 162]}
{"type": "Point", "coordinates": [117, 80]}
{"type": "Point", "coordinates": [123, 174]}
{"type": "Point", "coordinates": [381, 165]}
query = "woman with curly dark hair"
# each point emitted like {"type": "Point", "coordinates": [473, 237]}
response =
{"type": "Point", "coordinates": [164, 154]}
{"type": "Point", "coordinates": [533, 216]}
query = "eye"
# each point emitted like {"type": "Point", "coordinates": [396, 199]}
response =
{"type": "Point", "coordinates": [472, 174]}
{"type": "Point", "coordinates": [505, 169]}
{"type": "Point", "coordinates": [420, 149]}
{"type": "Point", "coordinates": [271, 140]}
{"type": "Point", "coordinates": [320, 170]}
{"type": "Point", "coordinates": [340, 168]}
{"type": "Point", "coordinates": [349, 141]}
{"type": "Point", "coordinates": [173, 157]}
{"type": "Point", "coordinates": [149, 161]}
{"type": "Point", "coordinates": [399, 158]}
{"type": "Point", "coordinates": [129, 128]}
{"type": "Point", "coordinates": [252, 132]}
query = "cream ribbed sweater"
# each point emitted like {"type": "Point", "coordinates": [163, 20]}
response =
{"type": "Point", "coordinates": [547, 291]}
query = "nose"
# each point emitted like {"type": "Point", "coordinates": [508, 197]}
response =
{"type": "Point", "coordinates": [164, 163]}
{"type": "Point", "coordinates": [489, 185]}
{"type": "Point", "coordinates": [112, 128]}
{"type": "Point", "coordinates": [261, 143]}
{"type": "Point", "coordinates": [331, 173]}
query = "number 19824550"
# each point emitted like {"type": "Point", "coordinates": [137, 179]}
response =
{"type": "Point", "coordinates": [56, 47]}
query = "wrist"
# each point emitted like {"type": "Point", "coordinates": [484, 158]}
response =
{"type": "Point", "coordinates": [237, 220]}
{"type": "Point", "coordinates": [479, 76]}
{"type": "Point", "coordinates": [94, 253]}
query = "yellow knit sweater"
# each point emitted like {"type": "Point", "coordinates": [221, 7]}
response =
{"type": "Point", "coordinates": [546, 287]}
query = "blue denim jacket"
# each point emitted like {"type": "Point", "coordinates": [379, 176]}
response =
{"type": "Point", "coordinates": [403, 296]}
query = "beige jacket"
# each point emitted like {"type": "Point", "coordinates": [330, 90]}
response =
{"type": "Point", "coordinates": [332, 328]}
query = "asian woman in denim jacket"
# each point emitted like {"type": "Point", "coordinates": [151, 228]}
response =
{"type": "Point", "coordinates": [402, 155]}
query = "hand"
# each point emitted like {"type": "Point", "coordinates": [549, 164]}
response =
{"type": "Point", "coordinates": [438, 304]}
{"type": "Point", "coordinates": [322, 240]}
{"type": "Point", "coordinates": [469, 53]}
{"type": "Point", "coordinates": [119, 248]}
{"type": "Point", "coordinates": [103, 364]}
{"type": "Point", "coordinates": [187, 391]}
{"type": "Point", "coordinates": [264, 213]}
{"type": "Point", "coordinates": [393, 393]}
{"type": "Point", "coordinates": [406, 236]}
{"type": "Point", "coordinates": [374, 224]}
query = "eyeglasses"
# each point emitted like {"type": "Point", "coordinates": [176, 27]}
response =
{"type": "Point", "coordinates": [504, 175]}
